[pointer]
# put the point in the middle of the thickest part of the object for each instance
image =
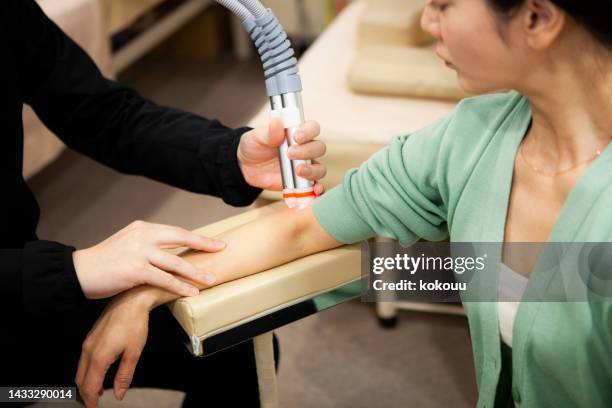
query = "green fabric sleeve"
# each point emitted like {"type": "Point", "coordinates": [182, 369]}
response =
{"type": "Point", "coordinates": [398, 193]}
{"type": "Point", "coordinates": [338, 217]}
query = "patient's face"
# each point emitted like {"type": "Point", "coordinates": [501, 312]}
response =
{"type": "Point", "coordinates": [474, 41]}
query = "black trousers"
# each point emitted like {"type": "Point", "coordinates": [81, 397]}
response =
{"type": "Point", "coordinates": [45, 350]}
{"type": "Point", "coordinates": [503, 396]}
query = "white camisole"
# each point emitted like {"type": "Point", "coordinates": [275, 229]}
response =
{"type": "Point", "coordinates": [511, 288]}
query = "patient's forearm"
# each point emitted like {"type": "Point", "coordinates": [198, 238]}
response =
{"type": "Point", "coordinates": [260, 245]}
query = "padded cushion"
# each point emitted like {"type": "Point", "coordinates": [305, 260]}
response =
{"type": "Point", "coordinates": [403, 71]}
{"type": "Point", "coordinates": [392, 22]}
{"type": "Point", "coordinates": [228, 305]}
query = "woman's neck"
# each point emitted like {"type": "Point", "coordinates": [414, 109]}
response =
{"type": "Point", "coordinates": [572, 109]}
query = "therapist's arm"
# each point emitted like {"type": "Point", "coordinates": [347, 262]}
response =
{"type": "Point", "coordinates": [113, 124]}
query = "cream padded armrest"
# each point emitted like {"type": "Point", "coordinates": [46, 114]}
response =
{"type": "Point", "coordinates": [228, 305]}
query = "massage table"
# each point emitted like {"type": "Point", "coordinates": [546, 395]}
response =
{"type": "Point", "coordinates": [354, 127]}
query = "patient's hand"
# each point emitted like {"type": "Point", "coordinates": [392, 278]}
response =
{"type": "Point", "coordinates": [121, 331]}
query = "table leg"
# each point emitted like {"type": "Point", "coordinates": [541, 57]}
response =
{"type": "Point", "coordinates": [387, 314]}
{"type": "Point", "coordinates": [266, 370]}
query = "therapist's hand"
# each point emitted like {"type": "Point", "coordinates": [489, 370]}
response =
{"type": "Point", "coordinates": [135, 256]}
{"type": "Point", "coordinates": [120, 332]}
{"type": "Point", "coordinates": [258, 155]}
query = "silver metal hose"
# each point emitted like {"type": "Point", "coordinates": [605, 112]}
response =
{"type": "Point", "coordinates": [237, 8]}
{"type": "Point", "coordinates": [283, 85]}
{"type": "Point", "coordinates": [255, 7]}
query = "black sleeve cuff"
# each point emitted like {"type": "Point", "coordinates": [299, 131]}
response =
{"type": "Point", "coordinates": [235, 190]}
{"type": "Point", "coordinates": [49, 280]}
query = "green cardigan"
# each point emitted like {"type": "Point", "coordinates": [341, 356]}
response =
{"type": "Point", "coordinates": [452, 179]}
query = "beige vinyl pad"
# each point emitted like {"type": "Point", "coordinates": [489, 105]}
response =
{"type": "Point", "coordinates": [392, 22]}
{"type": "Point", "coordinates": [228, 305]}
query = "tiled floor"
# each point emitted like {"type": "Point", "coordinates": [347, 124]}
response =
{"type": "Point", "coordinates": [338, 358]}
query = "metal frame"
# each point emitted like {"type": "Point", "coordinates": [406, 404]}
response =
{"type": "Point", "coordinates": [225, 338]}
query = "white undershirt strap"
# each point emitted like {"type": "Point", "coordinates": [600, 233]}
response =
{"type": "Point", "coordinates": [511, 288]}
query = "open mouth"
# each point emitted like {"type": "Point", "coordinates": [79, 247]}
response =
{"type": "Point", "coordinates": [446, 61]}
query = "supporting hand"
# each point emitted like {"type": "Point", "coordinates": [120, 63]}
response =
{"type": "Point", "coordinates": [135, 256]}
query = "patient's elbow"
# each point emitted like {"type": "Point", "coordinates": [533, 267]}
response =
{"type": "Point", "coordinates": [309, 234]}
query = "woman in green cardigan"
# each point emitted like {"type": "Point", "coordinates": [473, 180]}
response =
{"type": "Point", "coordinates": [532, 165]}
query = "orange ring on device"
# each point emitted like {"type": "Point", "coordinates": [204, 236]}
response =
{"type": "Point", "coordinates": [299, 195]}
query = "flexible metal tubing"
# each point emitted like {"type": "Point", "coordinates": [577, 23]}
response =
{"type": "Point", "coordinates": [237, 8]}
{"type": "Point", "coordinates": [254, 6]}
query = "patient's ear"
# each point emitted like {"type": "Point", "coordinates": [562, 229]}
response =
{"type": "Point", "coordinates": [542, 22]}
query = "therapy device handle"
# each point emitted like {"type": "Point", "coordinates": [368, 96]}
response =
{"type": "Point", "coordinates": [283, 85]}
{"type": "Point", "coordinates": [288, 107]}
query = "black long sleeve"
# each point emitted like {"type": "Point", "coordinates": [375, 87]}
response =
{"type": "Point", "coordinates": [40, 277]}
{"type": "Point", "coordinates": [115, 126]}
{"type": "Point", "coordinates": [103, 120]}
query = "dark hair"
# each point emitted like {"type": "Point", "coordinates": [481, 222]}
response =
{"type": "Point", "coordinates": [594, 15]}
